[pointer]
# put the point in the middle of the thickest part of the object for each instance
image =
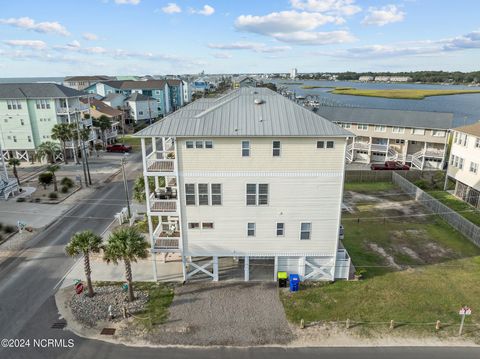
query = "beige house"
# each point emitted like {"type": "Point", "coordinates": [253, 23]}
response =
{"type": "Point", "coordinates": [464, 163]}
{"type": "Point", "coordinates": [248, 177]}
{"type": "Point", "coordinates": [419, 139]}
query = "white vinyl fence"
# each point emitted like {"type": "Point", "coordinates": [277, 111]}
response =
{"type": "Point", "coordinates": [460, 223]}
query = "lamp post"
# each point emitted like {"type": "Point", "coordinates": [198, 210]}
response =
{"type": "Point", "coordinates": [125, 185]}
{"type": "Point", "coordinates": [80, 140]}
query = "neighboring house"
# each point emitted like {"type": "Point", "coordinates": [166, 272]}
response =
{"type": "Point", "coordinates": [157, 89]}
{"type": "Point", "coordinates": [28, 111]}
{"type": "Point", "coordinates": [465, 162]}
{"type": "Point", "coordinates": [244, 81]}
{"type": "Point", "coordinates": [187, 92]}
{"type": "Point", "coordinates": [419, 139]}
{"type": "Point", "coordinates": [200, 85]}
{"type": "Point", "coordinates": [82, 82]}
{"type": "Point", "coordinates": [141, 107]}
{"type": "Point", "coordinates": [176, 93]}
{"type": "Point", "coordinates": [8, 186]}
{"type": "Point", "coordinates": [366, 78]}
{"type": "Point", "coordinates": [246, 181]}
{"type": "Point", "coordinates": [99, 108]}
{"type": "Point", "coordinates": [293, 73]}
{"type": "Point", "coordinates": [115, 100]}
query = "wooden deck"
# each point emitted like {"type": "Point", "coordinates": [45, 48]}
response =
{"type": "Point", "coordinates": [161, 166]}
{"type": "Point", "coordinates": [167, 243]}
{"type": "Point", "coordinates": [164, 206]}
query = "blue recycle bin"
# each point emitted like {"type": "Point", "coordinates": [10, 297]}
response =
{"type": "Point", "coordinates": [294, 282]}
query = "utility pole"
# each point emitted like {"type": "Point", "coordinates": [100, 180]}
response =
{"type": "Point", "coordinates": [125, 185]}
{"type": "Point", "coordinates": [83, 148]}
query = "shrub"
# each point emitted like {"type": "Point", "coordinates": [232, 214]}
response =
{"type": "Point", "coordinates": [9, 229]}
{"type": "Point", "coordinates": [67, 182]}
{"type": "Point", "coordinates": [64, 189]}
{"type": "Point", "coordinates": [53, 195]}
{"type": "Point", "coordinates": [21, 199]}
{"type": "Point", "coordinates": [422, 184]}
{"type": "Point", "coordinates": [45, 179]}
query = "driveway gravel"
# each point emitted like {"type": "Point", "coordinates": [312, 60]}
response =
{"type": "Point", "coordinates": [239, 314]}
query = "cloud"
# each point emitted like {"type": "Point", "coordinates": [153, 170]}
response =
{"type": "Point", "coordinates": [336, 7]}
{"type": "Point", "coordinates": [222, 55]}
{"type": "Point", "coordinates": [28, 44]}
{"type": "Point", "coordinates": [171, 8]}
{"type": "Point", "coordinates": [384, 15]}
{"type": "Point", "coordinates": [207, 10]}
{"type": "Point", "coordinates": [254, 46]}
{"type": "Point", "coordinates": [89, 36]}
{"type": "Point", "coordinates": [316, 38]}
{"type": "Point", "coordinates": [468, 41]}
{"type": "Point", "coordinates": [42, 27]}
{"type": "Point", "coordinates": [127, 2]}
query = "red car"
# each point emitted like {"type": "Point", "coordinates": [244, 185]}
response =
{"type": "Point", "coordinates": [390, 165]}
{"type": "Point", "coordinates": [118, 147]}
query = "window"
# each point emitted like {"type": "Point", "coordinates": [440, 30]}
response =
{"type": "Point", "coordinates": [245, 148]}
{"type": "Point", "coordinates": [280, 229]}
{"type": "Point", "coordinates": [198, 144]}
{"type": "Point", "coordinates": [330, 144]}
{"type": "Point", "coordinates": [208, 144]}
{"type": "Point", "coordinates": [216, 190]}
{"type": "Point", "coordinates": [22, 122]}
{"type": "Point", "coordinates": [399, 142]}
{"type": "Point", "coordinates": [251, 229]}
{"type": "Point", "coordinates": [473, 167]}
{"type": "Point", "coordinates": [418, 131]}
{"type": "Point", "coordinates": [276, 148]}
{"type": "Point", "coordinates": [362, 127]}
{"type": "Point", "coordinates": [29, 139]}
{"type": "Point", "coordinates": [140, 112]}
{"type": "Point", "coordinates": [380, 128]}
{"type": "Point", "coordinates": [189, 144]}
{"type": "Point", "coordinates": [14, 138]}
{"type": "Point", "coordinates": [438, 133]}
{"type": "Point", "coordinates": [465, 140]}
{"type": "Point", "coordinates": [345, 125]}
{"type": "Point", "coordinates": [460, 163]}
{"type": "Point", "coordinates": [398, 129]}
{"type": "Point", "coordinates": [320, 144]}
{"type": "Point", "coordinates": [251, 194]}
{"type": "Point", "coordinates": [452, 160]}
{"type": "Point", "coordinates": [190, 194]}
{"type": "Point", "coordinates": [193, 225]}
{"type": "Point", "coordinates": [203, 194]}
{"type": "Point", "coordinates": [262, 194]}
{"type": "Point", "coordinates": [207, 225]}
{"type": "Point", "coordinates": [14, 105]}
{"type": "Point", "coordinates": [305, 230]}
{"type": "Point", "coordinates": [477, 143]}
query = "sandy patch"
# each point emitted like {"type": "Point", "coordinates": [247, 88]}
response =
{"type": "Point", "coordinates": [390, 261]}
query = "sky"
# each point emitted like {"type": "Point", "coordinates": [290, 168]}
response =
{"type": "Point", "coordinates": [123, 37]}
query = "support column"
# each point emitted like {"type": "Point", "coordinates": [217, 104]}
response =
{"type": "Point", "coordinates": [369, 149]}
{"type": "Point", "coordinates": [247, 268]}
{"type": "Point", "coordinates": [301, 267]}
{"type": "Point", "coordinates": [154, 264]}
{"type": "Point", "coordinates": [405, 151]}
{"type": "Point", "coordinates": [424, 153]}
{"type": "Point", "coordinates": [215, 269]}
{"type": "Point", "coordinates": [275, 269]}
{"type": "Point", "coordinates": [184, 268]}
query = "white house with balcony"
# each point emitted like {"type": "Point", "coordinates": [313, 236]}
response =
{"type": "Point", "coordinates": [250, 176]}
{"type": "Point", "coordinates": [8, 185]}
{"type": "Point", "coordinates": [416, 138]}
{"type": "Point", "coordinates": [465, 162]}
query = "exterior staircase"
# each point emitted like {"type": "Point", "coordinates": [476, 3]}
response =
{"type": "Point", "coordinates": [392, 155]}
{"type": "Point", "coordinates": [417, 160]}
{"type": "Point", "coordinates": [348, 154]}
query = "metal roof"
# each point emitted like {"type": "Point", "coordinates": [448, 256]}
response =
{"type": "Point", "coordinates": [135, 97]}
{"type": "Point", "coordinates": [473, 129]}
{"type": "Point", "coordinates": [237, 114]}
{"type": "Point", "coordinates": [133, 85]}
{"type": "Point", "coordinates": [37, 90]}
{"type": "Point", "coordinates": [400, 118]}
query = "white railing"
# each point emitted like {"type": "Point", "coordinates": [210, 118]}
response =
{"type": "Point", "coordinates": [392, 154]}
{"type": "Point", "coordinates": [166, 240]}
{"type": "Point", "coordinates": [416, 160]}
{"type": "Point", "coordinates": [434, 152]}
{"type": "Point", "coordinates": [361, 146]}
{"type": "Point", "coordinates": [379, 148]}
{"type": "Point", "coordinates": [161, 161]}
{"type": "Point", "coordinates": [342, 266]}
{"type": "Point", "coordinates": [163, 205]}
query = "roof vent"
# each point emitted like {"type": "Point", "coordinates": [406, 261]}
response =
{"type": "Point", "coordinates": [258, 101]}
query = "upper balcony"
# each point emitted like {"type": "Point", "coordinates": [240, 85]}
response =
{"type": "Point", "coordinates": [164, 201]}
{"type": "Point", "coordinates": [167, 237]}
{"type": "Point", "coordinates": [161, 162]}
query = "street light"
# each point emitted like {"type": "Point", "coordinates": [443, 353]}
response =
{"type": "Point", "coordinates": [125, 184]}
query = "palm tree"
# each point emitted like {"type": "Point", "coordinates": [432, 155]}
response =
{"type": "Point", "coordinates": [139, 188]}
{"type": "Point", "coordinates": [48, 149]}
{"type": "Point", "coordinates": [126, 244]}
{"type": "Point", "coordinates": [85, 242]}
{"type": "Point", "coordinates": [14, 162]}
{"type": "Point", "coordinates": [52, 169]}
{"type": "Point", "coordinates": [63, 133]}
{"type": "Point", "coordinates": [103, 123]}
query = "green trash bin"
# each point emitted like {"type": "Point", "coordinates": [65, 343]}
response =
{"type": "Point", "coordinates": [282, 279]}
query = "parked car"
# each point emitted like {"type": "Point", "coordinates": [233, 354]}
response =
{"type": "Point", "coordinates": [118, 147]}
{"type": "Point", "coordinates": [390, 165]}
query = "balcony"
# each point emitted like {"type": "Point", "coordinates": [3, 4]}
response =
{"type": "Point", "coordinates": [164, 201]}
{"type": "Point", "coordinates": [379, 147]}
{"type": "Point", "coordinates": [434, 152]}
{"type": "Point", "coordinates": [166, 237]}
{"type": "Point", "coordinates": [361, 146]}
{"type": "Point", "coordinates": [161, 162]}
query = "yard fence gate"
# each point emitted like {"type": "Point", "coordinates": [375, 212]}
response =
{"type": "Point", "coordinates": [457, 221]}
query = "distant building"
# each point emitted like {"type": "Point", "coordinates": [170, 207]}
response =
{"type": "Point", "coordinates": [243, 81]}
{"type": "Point", "coordinates": [382, 78]}
{"type": "Point", "coordinates": [366, 78]}
{"type": "Point", "coordinates": [82, 82]}
{"type": "Point", "coordinates": [141, 107]}
{"type": "Point", "coordinates": [464, 164]}
{"type": "Point", "coordinates": [28, 112]}
{"type": "Point", "coordinates": [293, 73]}
{"type": "Point", "coordinates": [8, 186]}
{"type": "Point", "coordinates": [99, 108]}
{"type": "Point", "coordinates": [187, 92]}
{"type": "Point", "coordinates": [393, 79]}
{"type": "Point", "coordinates": [419, 139]}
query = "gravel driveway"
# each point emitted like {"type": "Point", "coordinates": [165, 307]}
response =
{"type": "Point", "coordinates": [241, 314]}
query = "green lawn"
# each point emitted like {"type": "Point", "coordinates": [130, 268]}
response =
{"type": "Point", "coordinates": [418, 268]}
{"type": "Point", "coordinates": [368, 186]}
{"type": "Point", "coordinates": [457, 205]}
{"type": "Point", "coordinates": [160, 296]}
{"type": "Point", "coordinates": [409, 94]}
{"type": "Point", "coordinates": [132, 141]}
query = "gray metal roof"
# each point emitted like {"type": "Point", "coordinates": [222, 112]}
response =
{"type": "Point", "coordinates": [236, 114]}
{"type": "Point", "coordinates": [400, 118]}
{"type": "Point", "coordinates": [139, 97]}
{"type": "Point", "coordinates": [37, 90]}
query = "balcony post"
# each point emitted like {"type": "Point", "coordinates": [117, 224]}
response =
{"type": "Point", "coordinates": [424, 154]}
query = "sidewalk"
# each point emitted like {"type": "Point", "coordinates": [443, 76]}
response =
{"type": "Point", "coordinates": [171, 271]}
